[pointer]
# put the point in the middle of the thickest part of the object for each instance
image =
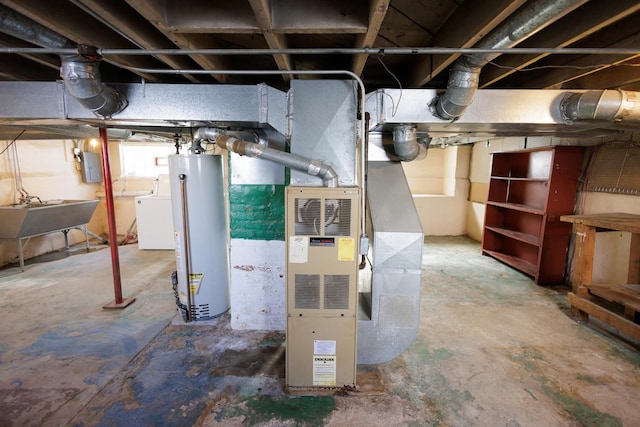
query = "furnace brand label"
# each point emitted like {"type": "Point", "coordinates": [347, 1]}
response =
{"type": "Point", "coordinates": [328, 242]}
{"type": "Point", "coordinates": [324, 370]}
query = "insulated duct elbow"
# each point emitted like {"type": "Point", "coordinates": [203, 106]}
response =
{"type": "Point", "coordinates": [251, 149]}
{"type": "Point", "coordinates": [82, 79]}
{"type": "Point", "coordinates": [603, 105]}
{"type": "Point", "coordinates": [464, 76]}
{"type": "Point", "coordinates": [463, 83]}
{"type": "Point", "coordinates": [80, 72]}
{"type": "Point", "coordinates": [406, 144]}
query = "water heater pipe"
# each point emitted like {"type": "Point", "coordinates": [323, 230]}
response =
{"type": "Point", "coordinates": [185, 240]}
{"type": "Point", "coordinates": [251, 149]}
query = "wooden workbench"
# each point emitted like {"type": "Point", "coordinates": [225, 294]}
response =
{"type": "Point", "coordinates": [615, 304]}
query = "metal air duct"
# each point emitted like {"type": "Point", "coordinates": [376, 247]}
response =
{"type": "Point", "coordinates": [81, 77]}
{"type": "Point", "coordinates": [79, 72]}
{"type": "Point", "coordinates": [607, 105]}
{"type": "Point", "coordinates": [406, 144]}
{"type": "Point", "coordinates": [465, 73]}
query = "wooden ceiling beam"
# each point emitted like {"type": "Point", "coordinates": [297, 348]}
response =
{"type": "Point", "coordinates": [139, 31]}
{"type": "Point", "coordinates": [262, 13]}
{"type": "Point", "coordinates": [377, 14]}
{"type": "Point", "coordinates": [150, 11]}
{"type": "Point", "coordinates": [575, 27]}
{"type": "Point", "coordinates": [465, 27]}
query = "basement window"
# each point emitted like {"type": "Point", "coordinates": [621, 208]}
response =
{"type": "Point", "coordinates": [144, 160]}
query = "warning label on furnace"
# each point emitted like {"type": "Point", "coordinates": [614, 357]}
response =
{"type": "Point", "coordinates": [324, 370]}
{"type": "Point", "coordinates": [346, 249]}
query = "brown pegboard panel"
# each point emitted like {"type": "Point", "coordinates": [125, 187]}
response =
{"type": "Point", "coordinates": [614, 169]}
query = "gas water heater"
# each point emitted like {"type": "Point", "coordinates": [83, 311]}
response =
{"type": "Point", "coordinates": [200, 228]}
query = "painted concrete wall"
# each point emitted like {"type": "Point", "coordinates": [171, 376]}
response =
{"type": "Point", "coordinates": [124, 192]}
{"type": "Point", "coordinates": [440, 188]}
{"type": "Point", "coordinates": [257, 286]}
{"type": "Point", "coordinates": [49, 171]}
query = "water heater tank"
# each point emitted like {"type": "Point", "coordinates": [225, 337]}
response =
{"type": "Point", "coordinates": [197, 188]}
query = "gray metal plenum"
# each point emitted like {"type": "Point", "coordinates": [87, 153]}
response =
{"type": "Point", "coordinates": [251, 149]}
{"type": "Point", "coordinates": [324, 124]}
{"type": "Point", "coordinates": [80, 74]}
{"type": "Point", "coordinates": [608, 105]}
{"type": "Point", "coordinates": [394, 301]}
{"type": "Point", "coordinates": [464, 75]}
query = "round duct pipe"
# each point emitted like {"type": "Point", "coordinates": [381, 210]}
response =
{"type": "Point", "coordinates": [406, 143]}
{"type": "Point", "coordinates": [606, 105]}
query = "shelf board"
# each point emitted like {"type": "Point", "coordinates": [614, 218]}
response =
{"type": "Point", "coordinates": [517, 263]}
{"type": "Point", "coordinates": [517, 235]}
{"type": "Point", "coordinates": [517, 207]}
{"type": "Point", "coordinates": [513, 178]}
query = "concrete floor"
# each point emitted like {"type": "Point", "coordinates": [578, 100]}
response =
{"type": "Point", "coordinates": [493, 349]}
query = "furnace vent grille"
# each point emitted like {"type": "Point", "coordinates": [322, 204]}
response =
{"type": "Point", "coordinates": [307, 291]}
{"type": "Point", "coordinates": [323, 217]}
{"type": "Point", "coordinates": [336, 291]}
{"type": "Point", "coordinates": [338, 217]}
{"type": "Point", "coordinates": [308, 217]}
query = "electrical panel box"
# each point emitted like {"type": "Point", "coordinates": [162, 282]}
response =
{"type": "Point", "coordinates": [90, 167]}
{"type": "Point", "coordinates": [322, 229]}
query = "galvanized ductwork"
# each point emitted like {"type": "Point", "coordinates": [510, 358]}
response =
{"type": "Point", "coordinates": [79, 72]}
{"type": "Point", "coordinates": [606, 105]}
{"type": "Point", "coordinates": [81, 77]}
{"type": "Point", "coordinates": [406, 144]}
{"type": "Point", "coordinates": [464, 75]}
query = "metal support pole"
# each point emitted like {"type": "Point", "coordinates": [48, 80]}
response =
{"type": "Point", "coordinates": [111, 219]}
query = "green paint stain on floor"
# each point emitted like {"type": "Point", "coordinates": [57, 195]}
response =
{"type": "Point", "coordinates": [302, 411]}
{"type": "Point", "coordinates": [433, 390]}
{"type": "Point", "coordinates": [583, 413]}
{"type": "Point", "coordinates": [589, 379]}
{"type": "Point", "coordinates": [627, 355]}
{"type": "Point", "coordinates": [529, 358]}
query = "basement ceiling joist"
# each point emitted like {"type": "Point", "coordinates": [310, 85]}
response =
{"type": "Point", "coordinates": [282, 24]}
